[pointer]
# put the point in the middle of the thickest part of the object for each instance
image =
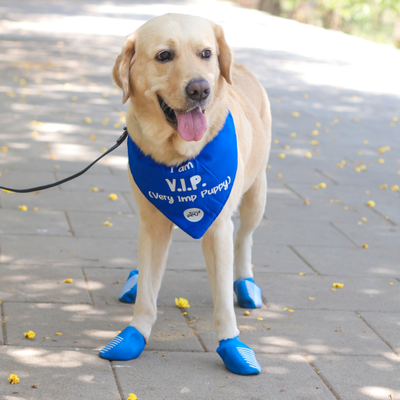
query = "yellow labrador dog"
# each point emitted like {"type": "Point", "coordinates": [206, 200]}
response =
{"type": "Point", "coordinates": [193, 110]}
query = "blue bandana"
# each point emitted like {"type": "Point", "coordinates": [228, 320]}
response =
{"type": "Point", "coordinates": [192, 194]}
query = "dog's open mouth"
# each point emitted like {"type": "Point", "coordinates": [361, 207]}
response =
{"type": "Point", "coordinates": [168, 111]}
{"type": "Point", "coordinates": [191, 125]}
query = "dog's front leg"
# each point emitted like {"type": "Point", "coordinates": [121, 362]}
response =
{"type": "Point", "coordinates": [218, 253]}
{"type": "Point", "coordinates": [154, 239]}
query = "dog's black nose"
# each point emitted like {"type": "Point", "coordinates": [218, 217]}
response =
{"type": "Point", "coordinates": [198, 89]}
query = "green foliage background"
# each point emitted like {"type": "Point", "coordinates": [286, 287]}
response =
{"type": "Point", "coordinates": [377, 20]}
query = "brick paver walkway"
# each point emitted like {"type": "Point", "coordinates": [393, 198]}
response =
{"type": "Point", "coordinates": [336, 108]}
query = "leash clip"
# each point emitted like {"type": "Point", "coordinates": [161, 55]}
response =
{"type": "Point", "coordinates": [123, 136]}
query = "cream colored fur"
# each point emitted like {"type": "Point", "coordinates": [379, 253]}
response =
{"type": "Point", "coordinates": [233, 87]}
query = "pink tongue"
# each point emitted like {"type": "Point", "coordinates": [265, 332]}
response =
{"type": "Point", "coordinates": [191, 125]}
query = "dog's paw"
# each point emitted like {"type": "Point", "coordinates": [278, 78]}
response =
{"type": "Point", "coordinates": [128, 292]}
{"type": "Point", "coordinates": [127, 345]}
{"type": "Point", "coordinates": [248, 294]}
{"type": "Point", "coordinates": [238, 357]}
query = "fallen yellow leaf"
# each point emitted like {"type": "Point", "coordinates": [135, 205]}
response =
{"type": "Point", "coordinates": [182, 303]}
{"type": "Point", "coordinates": [29, 335]}
{"type": "Point", "coordinates": [13, 379]}
{"type": "Point", "coordinates": [338, 285]}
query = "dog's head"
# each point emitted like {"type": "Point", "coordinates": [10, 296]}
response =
{"type": "Point", "coordinates": [173, 69]}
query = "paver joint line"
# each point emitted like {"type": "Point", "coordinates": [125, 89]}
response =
{"type": "Point", "coordinates": [69, 223]}
{"type": "Point", "coordinates": [124, 195]}
{"type": "Point", "coordinates": [87, 285]}
{"type": "Point", "coordinates": [3, 323]}
{"type": "Point", "coordinates": [339, 230]}
{"type": "Point", "coordinates": [302, 258]}
{"type": "Point", "coordinates": [195, 333]}
{"type": "Point", "coordinates": [294, 191]}
{"type": "Point", "coordinates": [382, 216]}
{"type": "Point", "coordinates": [322, 378]}
{"type": "Point", "coordinates": [376, 333]}
{"type": "Point", "coordinates": [326, 176]}
{"type": "Point", "coordinates": [117, 383]}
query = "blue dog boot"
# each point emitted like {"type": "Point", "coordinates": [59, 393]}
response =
{"type": "Point", "coordinates": [128, 292]}
{"type": "Point", "coordinates": [248, 293]}
{"type": "Point", "coordinates": [127, 345]}
{"type": "Point", "coordinates": [238, 357]}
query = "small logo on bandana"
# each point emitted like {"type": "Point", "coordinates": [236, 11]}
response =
{"type": "Point", "coordinates": [193, 214]}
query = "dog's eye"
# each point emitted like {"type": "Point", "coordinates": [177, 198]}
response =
{"type": "Point", "coordinates": [206, 54]}
{"type": "Point", "coordinates": [164, 56]}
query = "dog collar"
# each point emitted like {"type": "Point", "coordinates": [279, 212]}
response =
{"type": "Point", "coordinates": [192, 194]}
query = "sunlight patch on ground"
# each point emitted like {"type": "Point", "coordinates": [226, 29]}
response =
{"type": "Point", "coordinates": [43, 358]}
{"type": "Point", "coordinates": [278, 341]}
{"type": "Point", "coordinates": [377, 392]}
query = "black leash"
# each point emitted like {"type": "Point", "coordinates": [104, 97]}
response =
{"type": "Point", "coordinates": [120, 140]}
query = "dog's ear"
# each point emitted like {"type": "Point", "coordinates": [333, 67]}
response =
{"type": "Point", "coordinates": [224, 54]}
{"type": "Point", "coordinates": [123, 65]}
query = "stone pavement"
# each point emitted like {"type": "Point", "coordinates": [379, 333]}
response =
{"type": "Point", "coordinates": [336, 108]}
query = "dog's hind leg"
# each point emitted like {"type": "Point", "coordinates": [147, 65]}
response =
{"type": "Point", "coordinates": [251, 212]}
{"type": "Point", "coordinates": [218, 253]}
{"type": "Point", "coordinates": [154, 239]}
